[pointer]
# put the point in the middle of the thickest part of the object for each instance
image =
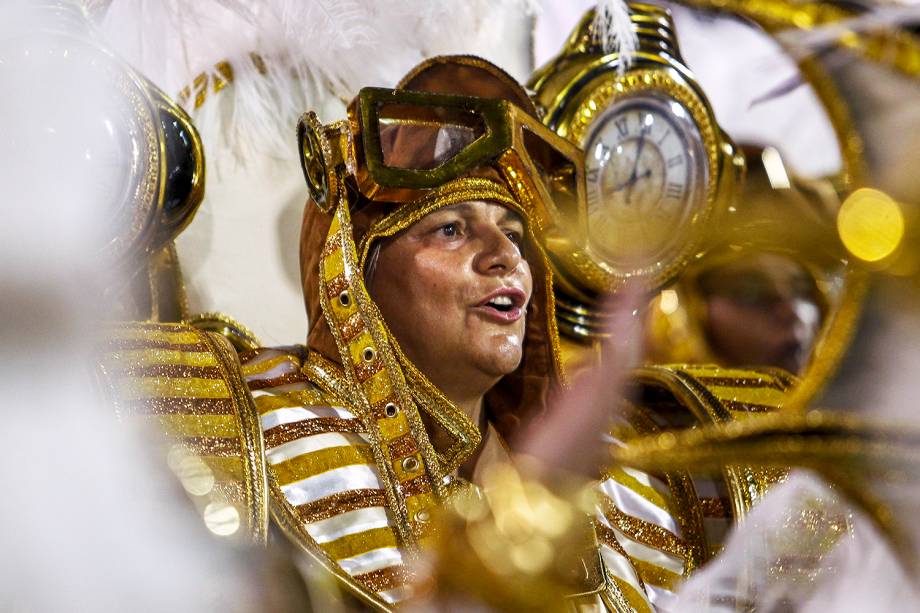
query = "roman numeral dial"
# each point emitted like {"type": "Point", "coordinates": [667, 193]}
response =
{"type": "Point", "coordinates": [646, 171]}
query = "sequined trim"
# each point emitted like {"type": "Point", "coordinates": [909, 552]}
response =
{"type": "Point", "coordinates": [606, 536]}
{"type": "Point", "coordinates": [403, 447]}
{"type": "Point", "coordinates": [655, 575]}
{"type": "Point", "coordinates": [335, 286]}
{"type": "Point", "coordinates": [385, 578]}
{"type": "Point", "coordinates": [645, 532]}
{"type": "Point", "coordinates": [122, 345]}
{"type": "Point", "coordinates": [715, 507]}
{"type": "Point", "coordinates": [212, 446]}
{"type": "Point", "coordinates": [769, 382]}
{"type": "Point", "coordinates": [414, 487]}
{"type": "Point", "coordinates": [747, 407]}
{"type": "Point", "coordinates": [341, 502]}
{"type": "Point", "coordinates": [286, 433]}
{"type": "Point", "coordinates": [352, 327]}
{"type": "Point", "coordinates": [171, 406]}
{"type": "Point", "coordinates": [171, 370]}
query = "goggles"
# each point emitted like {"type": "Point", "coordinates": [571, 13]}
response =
{"type": "Point", "coordinates": [398, 144]}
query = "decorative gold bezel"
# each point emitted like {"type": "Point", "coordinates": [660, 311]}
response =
{"type": "Point", "coordinates": [592, 270]}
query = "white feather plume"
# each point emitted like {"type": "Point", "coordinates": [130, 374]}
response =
{"type": "Point", "coordinates": [613, 30]}
{"type": "Point", "coordinates": [315, 54]}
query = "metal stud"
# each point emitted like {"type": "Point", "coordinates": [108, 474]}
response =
{"type": "Point", "coordinates": [410, 464]}
{"type": "Point", "coordinates": [391, 409]}
{"type": "Point", "coordinates": [345, 298]}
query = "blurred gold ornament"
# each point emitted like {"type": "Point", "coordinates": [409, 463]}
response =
{"type": "Point", "coordinates": [221, 518]}
{"type": "Point", "coordinates": [870, 224]}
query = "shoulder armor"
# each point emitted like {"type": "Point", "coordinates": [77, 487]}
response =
{"type": "Point", "coordinates": [188, 385]}
{"type": "Point", "coordinates": [682, 396]}
{"type": "Point", "coordinates": [655, 529]}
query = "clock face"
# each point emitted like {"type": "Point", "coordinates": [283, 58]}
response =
{"type": "Point", "coordinates": [647, 174]}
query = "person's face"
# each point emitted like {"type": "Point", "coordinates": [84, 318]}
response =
{"type": "Point", "coordinates": [454, 289]}
{"type": "Point", "coordinates": [763, 311]}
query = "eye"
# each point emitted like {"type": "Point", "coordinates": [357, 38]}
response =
{"type": "Point", "coordinates": [514, 236]}
{"type": "Point", "coordinates": [449, 229]}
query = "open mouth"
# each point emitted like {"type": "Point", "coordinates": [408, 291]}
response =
{"type": "Point", "coordinates": [501, 303]}
{"type": "Point", "coordinates": [504, 305]}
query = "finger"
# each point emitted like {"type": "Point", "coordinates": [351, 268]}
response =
{"type": "Point", "coordinates": [570, 436]}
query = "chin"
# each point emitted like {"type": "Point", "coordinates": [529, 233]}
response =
{"type": "Point", "coordinates": [504, 356]}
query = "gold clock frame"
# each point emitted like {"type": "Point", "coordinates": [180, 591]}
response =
{"type": "Point", "coordinates": [579, 85]}
{"type": "Point", "coordinates": [635, 83]}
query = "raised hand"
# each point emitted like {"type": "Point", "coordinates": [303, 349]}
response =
{"type": "Point", "coordinates": [569, 437]}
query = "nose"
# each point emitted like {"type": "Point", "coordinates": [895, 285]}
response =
{"type": "Point", "coordinates": [498, 254]}
{"type": "Point", "coordinates": [784, 311]}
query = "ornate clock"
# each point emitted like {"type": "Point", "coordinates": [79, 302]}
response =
{"type": "Point", "coordinates": [658, 167]}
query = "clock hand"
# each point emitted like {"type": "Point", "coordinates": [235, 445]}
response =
{"type": "Point", "coordinates": [632, 180]}
{"type": "Point", "coordinates": [632, 177]}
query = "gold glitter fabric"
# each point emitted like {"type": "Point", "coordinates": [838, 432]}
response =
{"type": "Point", "coordinates": [654, 529]}
{"type": "Point", "coordinates": [324, 477]}
{"type": "Point", "coordinates": [187, 385]}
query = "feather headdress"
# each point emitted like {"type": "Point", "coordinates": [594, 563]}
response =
{"type": "Point", "coordinates": [277, 58]}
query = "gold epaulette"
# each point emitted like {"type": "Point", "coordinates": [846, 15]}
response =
{"type": "Point", "coordinates": [187, 384]}
{"type": "Point", "coordinates": [675, 397]}
{"type": "Point", "coordinates": [654, 529]}
{"type": "Point", "coordinates": [715, 393]}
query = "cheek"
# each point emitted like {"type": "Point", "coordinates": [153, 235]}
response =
{"type": "Point", "coordinates": [416, 291]}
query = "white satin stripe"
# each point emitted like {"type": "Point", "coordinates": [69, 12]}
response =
{"type": "Point", "coordinates": [282, 368]}
{"type": "Point", "coordinates": [289, 415]}
{"type": "Point", "coordinates": [372, 560]}
{"type": "Point", "coordinates": [354, 477]}
{"type": "Point", "coordinates": [620, 567]}
{"type": "Point", "coordinates": [631, 503]}
{"type": "Point", "coordinates": [646, 479]}
{"type": "Point", "coordinates": [311, 443]}
{"type": "Point", "coordinates": [397, 594]}
{"type": "Point", "coordinates": [658, 596]}
{"type": "Point", "coordinates": [351, 522]}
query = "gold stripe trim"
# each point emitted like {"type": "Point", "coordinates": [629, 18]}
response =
{"type": "Point", "coordinates": [137, 388]}
{"type": "Point", "coordinates": [645, 532]}
{"type": "Point", "coordinates": [339, 503]}
{"type": "Point", "coordinates": [288, 400]}
{"type": "Point", "coordinates": [646, 491]}
{"type": "Point", "coordinates": [152, 357]}
{"type": "Point", "coordinates": [633, 597]}
{"type": "Point", "coordinates": [264, 366]}
{"type": "Point", "coordinates": [196, 425]}
{"type": "Point", "coordinates": [655, 575]}
{"type": "Point", "coordinates": [323, 460]}
{"type": "Point", "coordinates": [141, 334]}
{"type": "Point", "coordinates": [754, 395]}
{"type": "Point", "coordinates": [360, 543]}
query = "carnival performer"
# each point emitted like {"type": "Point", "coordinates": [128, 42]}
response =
{"type": "Point", "coordinates": [432, 339]}
{"type": "Point", "coordinates": [432, 372]}
{"type": "Point", "coordinates": [433, 347]}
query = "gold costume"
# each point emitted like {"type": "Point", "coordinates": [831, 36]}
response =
{"type": "Point", "coordinates": [340, 472]}
{"type": "Point", "coordinates": [357, 450]}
